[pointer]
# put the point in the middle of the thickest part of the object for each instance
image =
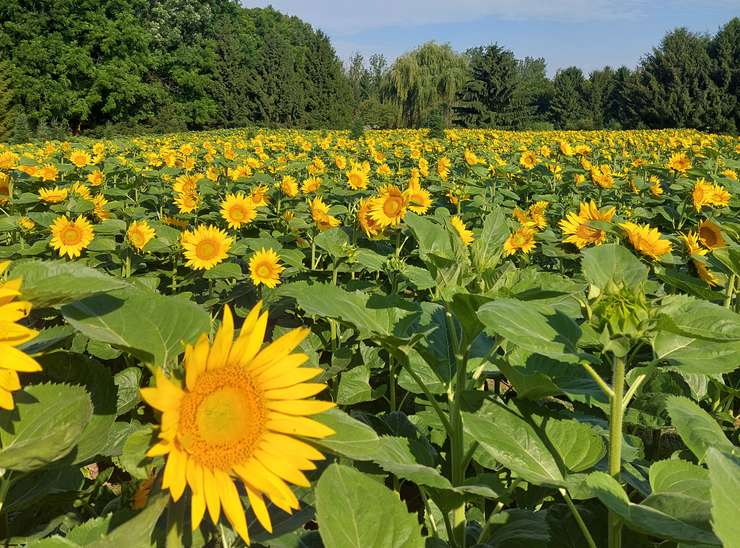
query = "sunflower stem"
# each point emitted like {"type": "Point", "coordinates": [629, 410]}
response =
{"type": "Point", "coordinates": [616, 415]}
{"type": "Point", "coordinates": [579, 520]}
{"type": "Point", "coordinates": [730, 291]}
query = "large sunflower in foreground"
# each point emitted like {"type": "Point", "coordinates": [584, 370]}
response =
{"type": "Point", "coordinates": [239, 417]}
{"type": "Point", "coordinates": [12, 334]}
{"type": "Point", "coordinates": [205, 247]}
{"type": "Point", "coordinates": [71, 237]}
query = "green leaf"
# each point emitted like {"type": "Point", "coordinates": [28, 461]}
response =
{"type": "Point", "coordinates": [351, 438]}
{"type": "Point", "coordinates": [224, 271]}
{"type": "Point", "coordinates": [152, 327]}
{"type": "Point", "coordinates": [697, 428]}
{"type": "Point", "coordinates": [692, 355]}
{"type": "Point", "coordinates": [334, 241]}
{"type": "Point", "coordinates": [679, 476]}
{"type": "Point", "coordinates": [700, 319]}
{"type": "Point", "coordinates": [514, 442]}
{"type": "Point", "coordinates": [137, 531]}
{"type": "Point", "coordinates": [45, 425]}
{"type": "Point", "coordinates": [612, 262]}
{"type": "Point", "coordinates": [647, 519]}
{"type": "Point", "coordinates": [580, 447]}
{"type": "Point", "coordinates": [65, 367]}
{"type": "Point", "coordinates": [127, 382]}
{"type": "Point", "coordinates": [370, 314]}
{"type": "Point", "coordinates": [554, 335]}
{"type": "Point", "coordinates": [487, 247]}
{"type": "Point", "coordinates": [354, 386]}
{"type": "Point", "coordinates": [369, 515]}
{"type": "Point", "coordinates": [133, 457]}
{"type": "Point", "coordinates": [724, 478]}
{"type": "Point", "coordinates": [49, 283]}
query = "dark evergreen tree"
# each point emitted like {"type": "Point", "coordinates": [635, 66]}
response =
{"type": "Point", "coordinates": [569, 106]}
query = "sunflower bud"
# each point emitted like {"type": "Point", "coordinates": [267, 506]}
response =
{"type": "Point", "coordinates": [622, 311]}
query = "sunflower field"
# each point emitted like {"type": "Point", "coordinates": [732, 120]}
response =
{"type": "Point", "coordinates": [293, 338]}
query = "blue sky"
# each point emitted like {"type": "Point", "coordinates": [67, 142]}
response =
{"type": "Point", "coordinates": [585, 33]}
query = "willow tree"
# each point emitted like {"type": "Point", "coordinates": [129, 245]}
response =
{"type": "Point", "coordinates": [424, 81]}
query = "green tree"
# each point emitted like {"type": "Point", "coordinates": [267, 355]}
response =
{"type": "Point", "coordinates": [7, 97]}
{"type": "Point", "coordinates": [724, 51]}
{"type": "Point", "coordinates": [673, 86]}
{"type": "Point", "coordinates": [569, 106]}
{"type": "Point", "coordinates": [423, 80]}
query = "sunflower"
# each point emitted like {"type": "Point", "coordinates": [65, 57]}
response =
{"type": "Point", "coordinates": [96, 178]}
{"type": "Point", "coordinates": [259, 196]}
{"type": "Point", "coordinates": [289, 186]}
{"type": "Point", "coordinates": [710, 235]}
{"type": "Point", "coordinates": [646, 240]}
{"type": "Point", "coordinates": [237, 417]}
{"type": "Point", "coordinates": [522, 239]}
{"type": "Point", "coordinates": [265, 268]}
{"type": "Point", "coordinates": [71, 237]}
{"type": "Point", "coordinates": [692, 243]}
{"type": "Point", "coordinates": [205, 247]}
{"type": "Point", "coordinates": [53, 195]}
{"type": "Point", "coordinates": [443, 167]}
{"type": "Point", "coordinates": [26, 223]}
{"type": "Point", "coordinates": [4, 188]}
{"type": "Point", "coordinates": [679, 162]}
{"type": "Point", "coordinates": [471, 158]}
{"type": "Point", "coordinates": [371, 228]}
{"type": "Point", "coordinates": [238, 210]}
{"type": "Point", "coordinates": [708, 194]}
{"type": "Point", "coordinates": [578, 227]}
{"type": "Point", "coordinates": [312, 184]}
{"type": "Point", "coordinates": [602, 176]}
{"type": "Point", "coordinates": [187, 202]}
{"type": "Point", "coordinates": [139, 233]}
{"type": "Point", "coordinates": [528, 160]}
{"type": "Point", "coordinates": [705, 274]}
{"type": "Point", "coordinates": [357, 178]}
{"type": "Point", "coordinates": [12, 335]}
{"type": "Point", "coordinates": [80, 158]}
{"type": "Point", "coordinates": [99, 202]}
{"type": "Point", "coordinates": [389, 208]}
{"type": "Point", "coordinates": [419, 199]}
{"type": "Point", "coordinates": [320, 214]}
{"type": "Point", "coordinates": [465, 235]}
{"type": "Point", "coordinates": [48, 172]}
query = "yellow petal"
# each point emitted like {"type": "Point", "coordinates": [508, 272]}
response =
{"type": "Point", "coordinates": [231, 504]}
{"type": "Point", "coordinates": [259, 508]}
{"type": "Point", "coordinates": [194, 474]}
{"type": "Point", "coordinates": [279, 348]}
{"type": "Point", "coordinates": [159, 449]}
{"type": "Point", "coordinates": [12, 358]}
{"type": "Point", "coordinates": [195, 361]}
{"type": "Point", "coordinates": [166, 395]}
{"type": "Point", "coordinates": [222, 342]}
{"type": "Point", "coordinates": [297, 392]}
{"type": "Point", "coordinates": [249, 343]}
{"type": "Point", "coordinates": [213, 501]}
{"type": "Point", "coordinates": [174, 473]}
{"type": "Point", "coordinates": [299, 407]}
{"type": "Point", "coordinates": [297, 426]}
{"type": "Point", "coordinates": [197, 509]}
{"type": "Point", "coordinates": [6, 399]}
{"type": "Point", "coordinates": [282, 469]}
{"type": "Point", "coordinates": [15, 334]}
{"type": "Point", "coordinates": [287, 445]}
{"type": "Point", "coordinates": [261, 478]}
{"type": "Point", "coordinates": [9, 380]}
{"type": "Point", "coordinates": [290, 377]}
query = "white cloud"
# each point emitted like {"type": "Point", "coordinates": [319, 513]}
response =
{"type": "Point", "coordinates": [345, 17]}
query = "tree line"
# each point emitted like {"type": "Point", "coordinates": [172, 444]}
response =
{"type": "Point", "coordinates": [106, 67]}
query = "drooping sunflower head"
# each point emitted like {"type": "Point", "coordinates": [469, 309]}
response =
{"type": "Point", "coordinates": [239, 416]}
{"type": "Point", "coordinates": [465, 235]}
{"type": "Point", "coordinates": [71, 237]}
{"type": "Point", "coordinates": [692, 243]}
{"type": "Point", "coordinates": [12, 334]}
{"type": "Point", "coordinates": [265, 268]}
{"type": "Point", "coordinates": [53, 195]}
{"type": "Point", "coordinates": [710, 235]}
{"type": "Point", "coordinates": [521, 240]}
{"type": "Point", "coordinates": [238, 210]}
{"type": "Point", "coordinates": [139, 234]}
{"type": "Point", "coordinates": [647, 240]}
{"type": "Point", "coordinates": [205, 247]}
{"type": "Point", "coordinates": [371, 228]}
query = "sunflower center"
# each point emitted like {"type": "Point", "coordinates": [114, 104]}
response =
{"type": "Point", "coordinates": [263, 270]}
{"type": "Point", "coordinates": [392, 206]}
{"type": "Point", "coordinates": [222, 419]}
{"type": "Point", "coordinates": [71, 235]}
{"type": "Point", "coordinates": [237, 213]}
{"type": "Point", "coordinates": [206, 250]}
{"type": "Point", "coordinates": [708, 236]}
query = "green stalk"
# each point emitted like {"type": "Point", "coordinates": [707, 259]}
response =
{"type": "Point", "coordinates": [616, 415]}
{"type": "Point", "coordinates": [730, 290]}
{"type": "Point", "coordinates": [457, 444]}
{"type": "Point", "coordinates": [579, 520]}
